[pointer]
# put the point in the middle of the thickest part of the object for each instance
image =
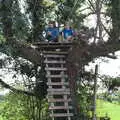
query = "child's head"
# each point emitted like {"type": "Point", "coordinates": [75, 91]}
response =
{"type": "Point", "coordinates": [51, 24]}
{"type": "Point", "coordinates": [67, 26]}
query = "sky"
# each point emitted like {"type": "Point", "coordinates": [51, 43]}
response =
{"type": "Point", "coordinates": [107, 66]}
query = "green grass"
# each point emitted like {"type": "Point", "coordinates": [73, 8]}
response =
{"type": "Point", "coordinates": [113, 110]}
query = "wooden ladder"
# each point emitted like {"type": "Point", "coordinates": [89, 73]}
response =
{"type": "Point", "coordinates": [59, 97]}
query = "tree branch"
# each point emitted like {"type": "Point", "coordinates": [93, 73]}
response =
{"type": "Point", "coordinates": [5, 85]}
{"type": "Point", "coordinates": [26, 51]}
{"type": "Point", "coordinates": [84, 54]}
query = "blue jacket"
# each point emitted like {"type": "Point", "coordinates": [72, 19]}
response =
{"type": "Point", "coordinates": [54, 33]}
{"type": "Point", "coordinates": [67, 32]}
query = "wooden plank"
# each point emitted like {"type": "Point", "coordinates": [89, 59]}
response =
{"type": "Point", "coordinates": [60, 107]}
{"type": "Point", "coordinates": [58, 90]}
{"type": "Point", "coordinates": [55, 46]}
{"type": "Point", "coordinates": [55, 52]}
{"type": "Point", "coordinates": [55, 69]}
{"type": "Point", "coordinates": [56, 76]}
{"type": "Point", "coordinates": [58, 100]}
{"type": "Point", "coordinates": [58, 93]}
{"type": "Point", "coordinates": [55, 62]}
{"type": "Point", "coordinates": [54, 56]}
{"type": "Point", "coordinates": [57, 83]}
{"type": "Point", "coordinates": [61, 115]}
{"type": "Point", "coordinates": [52, 43]}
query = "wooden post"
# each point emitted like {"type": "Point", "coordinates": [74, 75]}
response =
{"type": "Point", "coordinates": [95, 93]}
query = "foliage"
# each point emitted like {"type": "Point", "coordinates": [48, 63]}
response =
{"type": "Point", "coordinates": [1, 98]}
{"type": "Point", "coordinates": [2, 39]}
{"type": "Point", "coordinates": [113, 97]}
{"type": "Point", "coordinates": [84, 101]}
{"type": "Point", "coordinates": [85, 93]}
{"type": "Point", "coordinates": [17, 24]}
{"type": "Point", "coordinates": [13, 108]}
{"type": "Point", "coordinates": [36, 11]}
{"type": "Point", "coordinates": [68, 11]}
{"type": "Point", "coordinates": [113, 11]}
{"type": "Point", "coordinates": [110, 82]}
{"type": "Point", "coordinates": [21, 107]}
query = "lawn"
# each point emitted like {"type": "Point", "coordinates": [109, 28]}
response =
{"type": "Point", "coordinates": [113, 110]}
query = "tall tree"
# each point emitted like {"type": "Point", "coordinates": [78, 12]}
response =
{"type": "Point", "coordinates": [81, 52]}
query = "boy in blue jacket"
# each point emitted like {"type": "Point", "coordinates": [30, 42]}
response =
{"type": "Point", "coordinates": [67, 33]}
{"type": "Point", "coordinates": [52, 32]}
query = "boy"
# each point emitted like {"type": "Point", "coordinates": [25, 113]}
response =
{"type": "Point", "coordinates": [52, 32]}
{"type": "Point", "coordinates": [67, 33]}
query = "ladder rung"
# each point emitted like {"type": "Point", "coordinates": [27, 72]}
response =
{"type": "Point", "coordinates": [57, 83]}
{"type": "Point", "coordinates": [58, 90]}
{"type": "Point", "coordinates": [58, 100]}
{"type": "Point", "coordinates": [56, 76]}
{"type": "Point", "coordinates": [61, 115]}
{"type": "Point", "coordinates": [60, 107]}
{"type": "Point", "coordinates": [54, 61]}
{"type": "Point", "coordinates": [55, 56]}
{"type": "Point", "coordinates": [58, 93]}
{"type": "Point", "coordinates": [57, 69]}
{"type": "Point", "coordinates": [55, 52]}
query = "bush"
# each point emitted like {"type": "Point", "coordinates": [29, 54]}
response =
{"type": "Point", "coordinates": [104, 118]}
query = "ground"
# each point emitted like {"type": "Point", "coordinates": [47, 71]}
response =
{"type": "Point", "coordinates": [112, 110]}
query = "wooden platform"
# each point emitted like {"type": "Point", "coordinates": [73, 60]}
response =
{"type": "Point", "coordinates": [51, 44]}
